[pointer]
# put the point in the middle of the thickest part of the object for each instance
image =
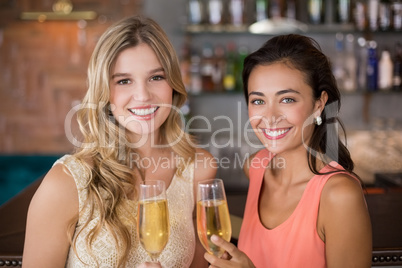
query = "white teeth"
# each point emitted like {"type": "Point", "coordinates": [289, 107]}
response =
{"type": "Point", "coordinates": [143, 111]}
{"type": "Point", "coordinates": [276, 133]}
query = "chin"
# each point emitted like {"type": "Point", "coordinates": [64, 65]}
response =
{"type": "Point", "coordinates": [273, 150]}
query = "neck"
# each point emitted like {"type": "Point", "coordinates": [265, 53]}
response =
{"type": "Point", "coordinates": [146, 145]}
{"type": "Point", "coordinates": [291, 167]}
{"type": "Point", "coordinates": [149, 158]}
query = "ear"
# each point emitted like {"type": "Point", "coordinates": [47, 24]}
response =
{"type": "Point", "coordinates": [320, 103]}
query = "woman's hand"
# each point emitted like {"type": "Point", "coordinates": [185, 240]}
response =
{"type": "Point", "coordinates": [233, 257]}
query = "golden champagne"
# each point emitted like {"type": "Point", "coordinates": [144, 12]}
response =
{"type": "Point", "coordinates": [153, 225]}
{"type": "Point", "coordinates": [213, 218]}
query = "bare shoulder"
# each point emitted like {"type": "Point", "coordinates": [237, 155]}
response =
{"type": "Point", "coordinates": [205, 165]}
{"type": "Point", "coordinates": [57, 190]}
{"type": "Point", "coordinates": [344, 223]}
{"type": "Point", "coordinates": [51, 215]}
{"type": "Point", "coordinates": [342, 199]}
{"type": "Point", "coordinates": [342, 188]}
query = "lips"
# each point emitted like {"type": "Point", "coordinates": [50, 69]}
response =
{"type": "Point", "coordinates": [274, 134]}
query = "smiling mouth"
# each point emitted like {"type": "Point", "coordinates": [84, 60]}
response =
{"type": "Point", "coordinates": [276, 133]}
{"type": "Point", "coordinates": [144, 111]}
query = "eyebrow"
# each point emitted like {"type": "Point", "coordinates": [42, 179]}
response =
{"type": "Point", "coordinates": [280, 92]}
{"type": "Point", "coordinates": [120, 75]}
{"type": "Point", "coordinates": [159, 69]}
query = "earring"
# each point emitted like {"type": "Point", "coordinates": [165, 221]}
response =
{"type": "Point", "coordinates": [318, 120]}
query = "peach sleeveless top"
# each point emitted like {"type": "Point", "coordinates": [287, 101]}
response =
{"type": "Point", "coordinates": [295, 242]}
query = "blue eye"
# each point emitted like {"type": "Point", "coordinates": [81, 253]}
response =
{"type": "Point", "coordinates": [288, 100]}
{"type": "Point", "coordinates": [123, 82]}
{"type": "Point", "coordinates": [257, 102]}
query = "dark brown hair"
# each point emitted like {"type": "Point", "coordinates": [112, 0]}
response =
{"type": "Point", "coordinates": [304, 54]}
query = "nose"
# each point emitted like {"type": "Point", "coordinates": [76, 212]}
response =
{"type": "Point", "coordinates": [271, 116]}
{"type": "Point", "coordinates": [141, 92]}
{"type": "Point", "coordinates": [273, 121]}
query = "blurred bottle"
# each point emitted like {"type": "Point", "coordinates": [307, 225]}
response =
{"type": "Point", "coordinates": [261, 10]}
{"type": "Point", "coordinates": [291, 9]}
{"type": "Point", "coordinates": [397, 15]}
{"type": "Point", "coordinates": [219, 67]}
{"type": "Point", "coordinates": [237, 13]}
{"type": "Point", "coordinates": [316, 11]}
{"type": "Point", "coordinates": [372, 13]}
{"type": "Point", "coordinates": [242, 53]}
{"type": "Point", "coordinates": [185, 64]}
{"type": "Point", "coordinates": [207, 67]}
{"type": "Point", "coordinates": [384, 15]}
{"type": "Point", "coordinates": [360, 19]}
{"type": "Point", "coordinates": [350, 82]}
{"type": "Point", "coordinates": [385, 71]}
{"type": "Point", "coordinates": [229, 80]}
{"type": "Point", "coordinates": [372, 66]}
{"type": "Point", "coordinates": [277, 9]}
{"type": "Point", "coordinates": [397, 73]}
{"type": "Point", "coordinates": [186, 111]}
{"type": "Point", "coordinates": [195, 12]}
{"type": "Point", "coordinates": [195, 73]}
{"type": "Point", "coordinates": [215, 14]}
{"type": "Point", "coordinates": [343, 11]}
{"type": "Point", "coordinates": [302, 13]}
{"type": "Point", "coordinates": [362, 57]}
{"type": "Point", "coordinates": [338, 63]}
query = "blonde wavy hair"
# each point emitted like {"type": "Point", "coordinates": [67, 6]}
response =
{"type": "Point", "coordinates": [105, 152]}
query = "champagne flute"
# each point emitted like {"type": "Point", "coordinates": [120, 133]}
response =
{"type": "Point", "coordinates": [153, 218]}
{"type": "Point", "coordinates": [212, 214]}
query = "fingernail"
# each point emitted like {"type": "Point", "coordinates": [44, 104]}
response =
{"type": "Point", "coordinates": [214, 238]}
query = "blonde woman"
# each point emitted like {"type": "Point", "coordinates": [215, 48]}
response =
{"type": "Point", "coordinates": [84, 212]}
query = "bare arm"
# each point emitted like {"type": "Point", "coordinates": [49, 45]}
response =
{"type": "Point", "coordinates": [205, 167]}
{"type": "Point", "coordinates": [344, 224]}
{"type": "Point", "coordinates": [52, 209]}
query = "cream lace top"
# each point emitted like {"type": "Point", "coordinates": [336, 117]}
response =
{"type": "Point", "coordinates": [178, 252]}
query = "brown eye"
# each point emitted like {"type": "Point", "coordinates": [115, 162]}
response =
{"type": "Point", "coordinates": [157, 77]}
{"type": "Point", "coordinates": [123, 82]}
{"type": "Point", "coordinates": [257, 102]}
